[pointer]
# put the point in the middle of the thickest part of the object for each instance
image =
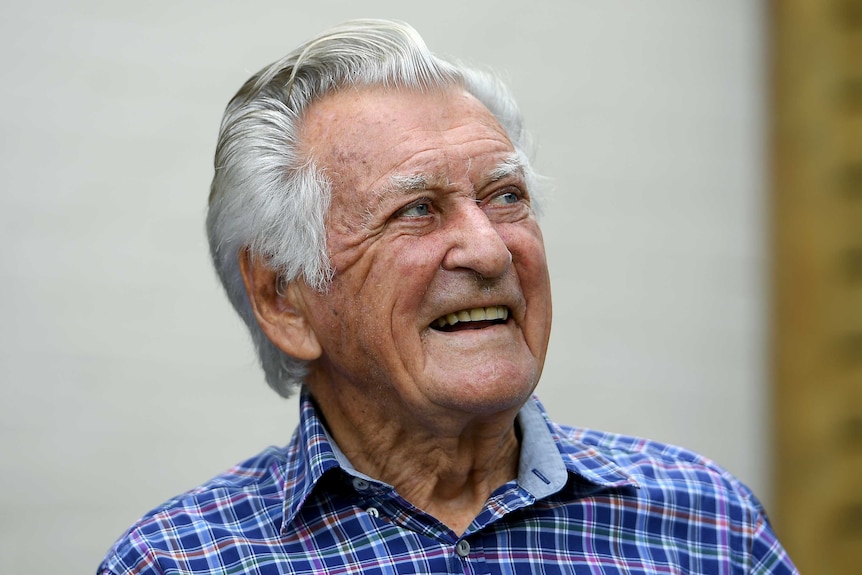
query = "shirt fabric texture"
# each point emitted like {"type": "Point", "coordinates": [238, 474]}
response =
{"type": "Point", "coordinates": [584, 502]}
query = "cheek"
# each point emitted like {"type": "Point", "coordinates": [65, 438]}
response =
{"type": "Point", "coordinates": [528, 251]}
{"type": "Point", "coordinates": [404, 270]}
{"type": "Point", "coordinates": [331, 320]}
{"type": "Point", "coordinates": [377, 301]}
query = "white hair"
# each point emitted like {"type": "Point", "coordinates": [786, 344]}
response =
{"type": "Point", "coordinates": [270, 201]}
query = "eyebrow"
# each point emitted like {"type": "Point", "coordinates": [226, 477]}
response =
{"type": "Point", "coordinates": [513, 165]}
{"type": "Point", "coordinates": [401, 184]}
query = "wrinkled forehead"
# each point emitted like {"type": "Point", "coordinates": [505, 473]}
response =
{"type": "Point", "coordinates": [363, 137]}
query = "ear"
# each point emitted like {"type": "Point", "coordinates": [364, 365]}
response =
{"type": "Point", "coordinates": [281, 314]}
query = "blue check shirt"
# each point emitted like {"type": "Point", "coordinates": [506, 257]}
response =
{"type": "Point", "coordinates": [583, 502]}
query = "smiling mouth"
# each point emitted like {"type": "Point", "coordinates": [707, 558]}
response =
{"type": "Point", "coordinates": [473, 318]}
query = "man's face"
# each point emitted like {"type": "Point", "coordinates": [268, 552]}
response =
{"type": "Point", "coordinates": [430, 221]}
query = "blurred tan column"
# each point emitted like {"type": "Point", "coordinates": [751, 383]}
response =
{"type": "Point", "coordinates": [817, 242]}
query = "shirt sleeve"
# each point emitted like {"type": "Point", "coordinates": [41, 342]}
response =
{"type": "Point", "coordinates": [768, 557]}
{"type": "Point", "coordinates": [128, 559]}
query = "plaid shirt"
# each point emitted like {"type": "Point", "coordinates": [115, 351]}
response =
{"type": "Point", "coordinates": [584, 502]}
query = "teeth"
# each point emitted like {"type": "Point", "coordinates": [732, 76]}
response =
{"type": "Point", "coordinates": [474, 314]}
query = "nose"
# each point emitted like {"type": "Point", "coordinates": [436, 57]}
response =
{"type": "Point", "coordinates": [475, 243]}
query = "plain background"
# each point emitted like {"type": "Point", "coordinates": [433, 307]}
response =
{"type": "Point", "coordinates": [126, 377]}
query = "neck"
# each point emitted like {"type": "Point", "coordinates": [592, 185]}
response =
{"type": "Point", "coordinates": [445, 465]}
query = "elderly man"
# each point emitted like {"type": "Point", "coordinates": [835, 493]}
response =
{"type": "Point", "coordinates": [373, 220]}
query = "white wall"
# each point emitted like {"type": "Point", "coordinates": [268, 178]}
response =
{"type": "Point", "coordinates": [124, 375]}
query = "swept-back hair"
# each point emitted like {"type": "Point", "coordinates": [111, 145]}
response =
{"type": "Point", "coordinates": [268, 199]}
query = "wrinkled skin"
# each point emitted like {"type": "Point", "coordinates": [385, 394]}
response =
{"type": "Point", "coordinates": [389, 383]}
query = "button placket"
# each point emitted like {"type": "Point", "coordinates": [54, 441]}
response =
{"type": "Point", "coordinates": [363, 486]}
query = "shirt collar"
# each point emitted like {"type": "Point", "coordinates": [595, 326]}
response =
{"type": "Point", "coordinates": [545, 462]}
{"type": "Point", "coordinates": [547, 457]}
{"type": "Point", "coordinates": [313, 449]}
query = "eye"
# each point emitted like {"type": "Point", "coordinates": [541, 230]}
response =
{"type": "Point", "coordinates": [416, 210]}
{"type": "Point", "coordinates": [513, 196]}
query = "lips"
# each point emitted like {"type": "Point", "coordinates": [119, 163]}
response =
{"type": "Point", "coordinates": [472, 318]}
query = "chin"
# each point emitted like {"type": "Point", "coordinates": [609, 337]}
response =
{"type": "Point", "coordinates": [491, 395]}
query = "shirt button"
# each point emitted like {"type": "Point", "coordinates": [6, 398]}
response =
{"type": "Point", "coordinates": [372, 511]}
{"type": "Point", "coordinates": [360, 484]}
{"type": "Point", "coordinates": [462, 548]}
